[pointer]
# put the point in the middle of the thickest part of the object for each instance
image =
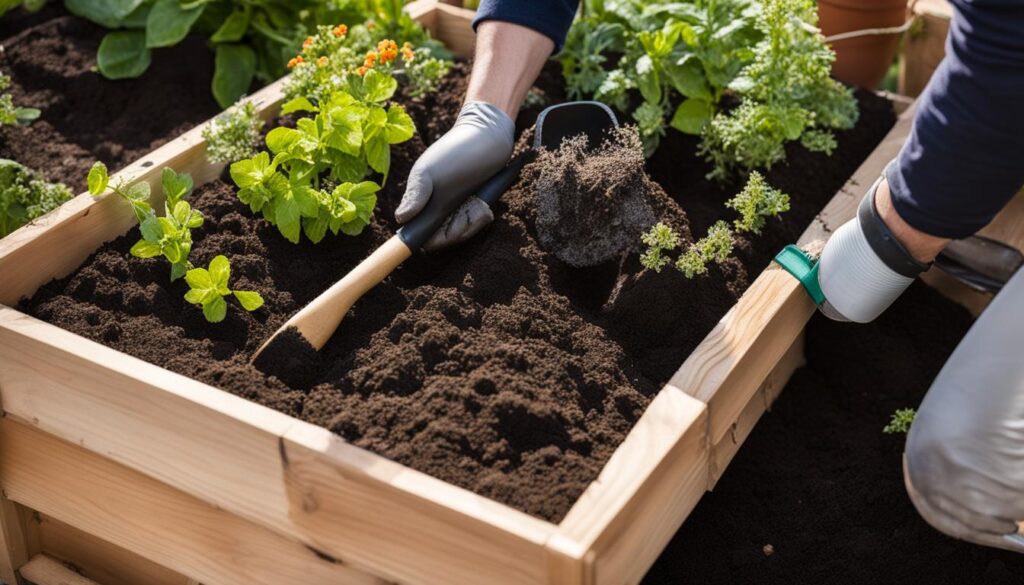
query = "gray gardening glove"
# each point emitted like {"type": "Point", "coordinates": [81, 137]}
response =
{"type": "Point", "coordinates": [863, 268]}
{"type": "Point", "coordinates": [964, 459]}
{"type": "Point", "coordinates": [477, 147]}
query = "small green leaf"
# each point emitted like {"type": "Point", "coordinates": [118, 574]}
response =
{"type": "Point", "coordinates": [234, 69]}
{"type": "Point", "coordinates": [234, 27]}
{"type": "Point", "coordinates": [107, 13]}
{"type": "Point", "coordinates": [378, 155]}
{"type": "Point", "coordinates": [25, 116]}
{"type": "Point", "coordinates": [299, 104]}
{"type": "Point", "coordinates": [692, 115]}
{"type": "Point", "coordinates": [282, 139]}
{"type": "Point", "coordinates": [200, 279]}
{"type": "Point", "coordinates": [220, 272]}
{"type": "Point", "coordinates": [178, 270]}
{"type": "Point", "coordinates": [399, 126]}
{"type": "Point", "coordinates": [138, 191]}
{"type": "Point", "coordinates": [151, 230]}
{"type": "Point", "coordinates": [215, 309]}
{"type": "Point", "coordinates": [123, 55]}
{"type": "Point", "coordinates": [377, 86]}
{"type": "Point", "coordinates": [169, 22]}
{"type": "Point", "coordinates": [144, 249]}
{"type": "Point", "coordinates": [251, 172]}
{"type": "Point", "coordinates": [98, 179]}
{"type": "Point", "coordinates": [250, 300]}
{"type": "Point", "coordinates": [176, 186]}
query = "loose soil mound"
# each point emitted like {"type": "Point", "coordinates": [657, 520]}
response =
{"type": "Point", "coordinates": [819, 482]}
{"type": "Point", "coordinates": [86, 117]}
{"type": "Point", "coordinates": [494, 366]}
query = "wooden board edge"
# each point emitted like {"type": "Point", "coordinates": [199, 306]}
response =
{"type": "Point", "coordinates": [44, 570]}
{"type": "Point", "coordinates": [645, 491]}
{"type": "Point", "coordinates": [19, 541]}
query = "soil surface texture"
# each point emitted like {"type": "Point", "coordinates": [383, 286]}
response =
{"type": "Point", "coordinates": [494, 366]}
{"type": "Point", "coordinates": [86, 117]}
{"type": "Point", "coordinates": [816, 493]}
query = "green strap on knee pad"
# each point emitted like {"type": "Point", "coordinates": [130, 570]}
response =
{"type": "Point", "coordinates": [803, 268]}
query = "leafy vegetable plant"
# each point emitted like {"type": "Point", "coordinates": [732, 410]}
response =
{"type": "Point", "coordinates": [681, 56]}
{"type": "Point", "coordinates": [208, 288]}
{"type": "Point", "coordinates": [755, 203]}
{"type": "Point", "coordinates": [11, 115]}
{"type": "Point", "coordinates": [29, 5]}
{"type": "Point", "coordinates": [787, 94]}
{"type": "Point", "coordinates": [169, 235]}
{"type": "Point", "coordinates": [24, 196]}
{"type": "Point", "coordinates": [331, 57]}
{"type": "Point", "coordinates": [900, 422]}
{"type": "Point", "coordinates": [315, 180]}
{"type": "Point", "coordinates": [234, 134]}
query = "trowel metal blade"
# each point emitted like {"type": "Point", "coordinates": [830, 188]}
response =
{"type": "Point", "coordinates": [981, 263]}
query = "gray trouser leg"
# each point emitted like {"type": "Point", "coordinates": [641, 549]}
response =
{"type": "Point", "coordinates": [964, 462]}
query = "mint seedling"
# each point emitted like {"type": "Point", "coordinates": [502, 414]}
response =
{"type": "Point", "coordinates": [135, 194]}
{"type": "Point", "coordinates": [11, 115]}
{"type": "Point", "coordinates": [757, 201]}
{"type": "Point", "coordinates": [170, 236]}
{"type": "Point", "coordinates": [208, 288]}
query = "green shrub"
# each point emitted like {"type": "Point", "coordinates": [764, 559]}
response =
{"type": "Point", "coordinates": [24, 196]}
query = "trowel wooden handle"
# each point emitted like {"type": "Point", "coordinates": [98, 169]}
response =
{"type": "Point", "coordinates": [318, 320]}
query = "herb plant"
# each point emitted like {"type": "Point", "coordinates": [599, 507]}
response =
{"type": "Point", "coordinates": [11, 115]}
{"type": "Point", "coordinates": [134, 194]}
{"type": "Point", "coordinates": [234, 134]}
{"type": "Point", "coordinates": [24, 196]}
{"type": "Point", "coordinates": [900, 422]}
{"type": "Point", "coordinates": [755, 203]}
{"type": "Point", "coordinates": [315, 180]}
{"type": "Point", "coordinates": [787, 94]}
{"type": "Point", "coordinates": [208, 288]}
{"type": "Point", "coordinates": [29, 5]}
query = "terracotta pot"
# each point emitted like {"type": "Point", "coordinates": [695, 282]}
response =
{"type": "Point", "coordinates": [862, 60]}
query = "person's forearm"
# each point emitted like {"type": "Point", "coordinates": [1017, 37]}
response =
{"type": "Point", "coordinates": [508, 60]}
{"type": "Point", "coordinates": [920, 245]}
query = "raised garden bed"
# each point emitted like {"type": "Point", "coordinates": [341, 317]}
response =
{"type": "Point", "coordinates": [157, 445]}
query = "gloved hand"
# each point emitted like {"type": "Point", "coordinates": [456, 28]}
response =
{"type": "Point", "coordinates": [477, 147]}
{"type": "Point", "coordinates": [863, 268]}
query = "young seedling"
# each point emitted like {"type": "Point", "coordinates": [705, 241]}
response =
{"type": "Point", "coordinates": [24, 196]}
{"type": "Point", "coordinates": [170, 236]}
{"type": "Point", "coordinates": [234, 134]}
{"type": "Point", "coordinates": [900, 422]}
{"type": "Point", "coordinates": [756, 202]}
{"type": "Point", "coordinates": [659, 240]}
{"type": "Point", "coordinates": [715, 247]}
{"type": "Point", "coordinates": [208, 288]}
{"type": "Point", "coordinates": [11, 115]}
{"type": "Point", "coordinates": [135, 194]}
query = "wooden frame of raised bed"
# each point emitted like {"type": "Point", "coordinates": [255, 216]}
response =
{"type": "Point", "coordinates": [135, 474]}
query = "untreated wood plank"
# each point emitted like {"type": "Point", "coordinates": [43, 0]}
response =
{"type": "Point", "coordinates": [924, 46]}
{"type": "Point", "coordinates": [18, 541]}
{"type": "Point", "coordinates": [651, 483]}
{"type": "Point", "coordinates": [151, 519]}
{"type": "Point", "coordinates": [453, 25]}
{"type": "Point", "coordinates": [100, 560]}
{"type": "Point", "coordinates": [43, 570]}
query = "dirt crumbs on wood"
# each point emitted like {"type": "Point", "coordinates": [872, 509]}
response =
{"type": "Point", "coordinates": [494, 366]}
{"type": "Point", "coordinates": [86, 117]}
{"type": "Point", "coordinates": [593, 201]}
{"type": "Point", "coordinates": [820, 481]}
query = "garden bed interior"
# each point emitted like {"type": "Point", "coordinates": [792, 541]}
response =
{"type": "Point", "coordinates": [494, 366]}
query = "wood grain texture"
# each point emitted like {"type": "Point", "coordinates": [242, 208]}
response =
{"type": "Point", "coordinates": [19, 542]}
{"type": "Point", "coordinates": [28, 256]}
{"type": "Point", "coordinates": [453, 25]}
{"type": "Point", "coordinates": [925, 46]}
{"type": "Point", "coordinates": [100, 560]}
{"type": "Point", "coordinates": [651, 483]}
{"type": "Point", "coordinates": [151, 519]}
{"type": "Point", "coordinates": [43, 570]}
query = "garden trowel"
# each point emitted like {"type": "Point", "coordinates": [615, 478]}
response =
{"type": "Point", "coordinates": [981, 263]}
{"type": "Point", "coordinates": [318, 320]}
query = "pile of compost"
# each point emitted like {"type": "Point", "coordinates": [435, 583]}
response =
{"type": "Point", "coordinates": [816, 493]}
{"type": "Point", "coordinates": [494, 366]}
{"type": "Point", "coordinates": [51, 59]}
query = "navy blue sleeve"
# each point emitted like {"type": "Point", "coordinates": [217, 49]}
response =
{"type": "Point", "coordinates": [964, 159]}
{"type": "Point", "coordinates": [551, 18]}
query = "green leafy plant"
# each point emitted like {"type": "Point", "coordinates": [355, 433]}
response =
{"type": "Point", "coordinates": [11, 115]}
{"type": "Point", "coordinates": [169, 235]}
{"type": "Point", "coordinates": [134, 194]}
{"type": "Point", "coordinates": [755, 203]}
{"type": "Point", "coordinates": [208, 288]}
{"type": "Point", "coordinates": [900, 421]}
{"type": "Point", "coordinates": [234, 134]}
{"type": "Point", "coordinates": [28, 5]}
{"type": "Point", "coordinates": [334, 56]}
{"type": "Point", "coordinates": [681, 56]}
{"type": "Point", "coordinates": [786, 94]}
{"type": "Point", "coordinates": [24, 196]}
{"type": "Point", "coordinates": [315, 180]}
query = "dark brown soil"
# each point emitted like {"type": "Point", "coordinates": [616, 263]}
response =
{"type": "Point", "coordinates": [493, 366]}
{"type": "Point", "coordinates": [818, 481]}
{"type": "Point", "coordinates": [86, 117]}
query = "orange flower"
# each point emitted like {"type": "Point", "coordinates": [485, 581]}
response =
{"type": "Point", "coordinates": [361, 71]}
{"type": "Point", "coordinates": [371, 58]}
{"type": "Point", "coordinates": [340, 30]}
{"type": "Point", "coordinates": [295, 62]}
{"type": "Point", "coordinates": [407, 52]}
{"type": "Point", "coordinates": [388, 50]}
{"type": "Point", "coordinates": [370, 25]}
{"type": "Point", "coordinates": [322, 62]}
{"type": "Point", "coordinates": [307, 43]}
